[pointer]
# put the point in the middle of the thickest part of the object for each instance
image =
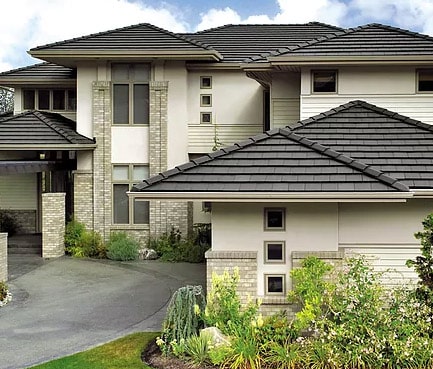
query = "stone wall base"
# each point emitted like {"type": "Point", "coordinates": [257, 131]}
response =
{"type": "Point", "coordinates": [3, 257]}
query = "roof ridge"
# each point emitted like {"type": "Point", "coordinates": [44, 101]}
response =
{"type": "Point", "coordinates": [326, 25]}
{"type": "Point", "coordinates": [97, 34]}
{"type": "Point", "coordinates": [358, 165]}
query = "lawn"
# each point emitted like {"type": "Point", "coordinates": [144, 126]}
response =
{"type": "Point", "coordinates": [124, 353]}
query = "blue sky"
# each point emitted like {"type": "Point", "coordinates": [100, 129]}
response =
{"type": "Point", "coordinates": [38, 22]}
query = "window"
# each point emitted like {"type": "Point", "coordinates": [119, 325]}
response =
{"type": "Point", "coordinates": [206, 117]}
{"type": "Point", "coordinates": [129, 210]}
{"type": "Point", "coordinates": [275, 252]}
{"type": "Point", "coordinates": [425, 80]}
{"type": "Point", "coordinates": [44, 99]}
{"type": "Point", "coordinates": [130, 93]}
{"type": "Point", "coordinates": [324, 81]}
{"type": "Point", "coordinates": [274, 284]}
{"type": "Point", "coordinates": [274, 219]}
{"type": "Point", "coordinates": [205, 100]}
{"type": "Point", "coordinates": [205, 82]}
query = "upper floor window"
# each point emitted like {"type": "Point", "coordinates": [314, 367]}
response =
{"type": "Point", "coordinates": [130, 93]}
{"type": "Point", "coordinates": [50, 99]}
{"type": "Point", "coordinates": [425, 80]}
{"type": "Point", "coordinates": [324, 81]}
{"type": "Point", "coordinates": [275, 219]}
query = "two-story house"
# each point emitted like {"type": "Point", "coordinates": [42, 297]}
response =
{"type": "Point", "coordinates": [134, 102]}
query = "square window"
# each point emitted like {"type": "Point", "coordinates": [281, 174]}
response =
{"type": "Point", "coordinates": [274, 219]}
{"type": "Point", "coordinates": [120, 172]}
{"type": "Point", "coordinates": [205, 82]}
{"type": "Point", "coordinates": [274, 284]}
{"type": "Point", "coordinates": [425, 80]}
{"type": "Point", "coordinates": [205, 117]}
{"type": "Point", "coordinates": [205, 100]}
{"type": "Point", "coordinates": [324, 81]}
{"type": "Point", "coordinates": [275, 252]}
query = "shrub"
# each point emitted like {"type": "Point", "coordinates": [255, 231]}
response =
{"type": "Point", "coordinates": [8, 223]}
{"type": "Point", "coordinates": [80, 242]}
{"type": "Point", "coordinates": [5, 295]}
{"type": "Point", "coordinates": [122, 247]}
{"type": "Point", "coordinates": [174, 248]}
{"type": "Point", "coordinates": [183, 319]}
{"type": "Point", "coordinates": [223, 308]}
{"type": "Point", "coordinates": [197, 348]}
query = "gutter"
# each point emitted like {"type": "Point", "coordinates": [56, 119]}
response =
{"type": "Point", "coordinates": [277, 196]}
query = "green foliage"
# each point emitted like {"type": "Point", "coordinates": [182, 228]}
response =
{"type": "Point", "coordinates": [423, 264]}
{"type": "Point", "coordinates": [6, 99]}
{"type": "Point", "coordinates": [223, 308]}
{"type": "Point", "coordinates": [197, 348]}
{"type": "Point", "coordinates": [243, 353]}
{"type": "Point", "coordinates": [283, 355]}
{"type": "Point", "coordinates": [183, 319]}
{"type": "Point", "coordinates": [278, 329]}
{"type": "Point", "coordinates": [122, 247]}
{"type": "Point", "coordinates": [8, 223]}
{"type": "Point", "coordinates": [309, 289]}
{"type": "Point", "coordinates": [173, 247]}
{"type": "Point", "coordinates": [3, 290]}
{"type": "Point", "coordinates": [81, 243]}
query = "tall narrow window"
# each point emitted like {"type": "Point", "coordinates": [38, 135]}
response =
{"type": "Point", "coordinates": [59, 99]}
{"type": "Point", "coordinates": [44, 99]}
{"type": "Point", "coordinates": [425, 80]}
{"type": "Point", "coordinates": [130, 93]}
{"type": "Point", "coordinates": [128, 210]}
{"type": "Point", "coordinates": [29, 99]}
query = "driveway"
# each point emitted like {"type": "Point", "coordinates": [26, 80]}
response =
{"type": "Point", "coordinates": [66, 305]}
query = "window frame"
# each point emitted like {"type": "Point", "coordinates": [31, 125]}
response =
{"type": "Point", "coordinates": [283, 284]}
{"type": "Point", "coordinates": [428, 70]}
{"type": "Point", "coordinates": [204, 113]}
{"type": "Point", "coordinates": [266, 218]}
{"type": "Point", "coordinates": [206, 86]}
{"type": "Point", "coordinates": [266, 252]}
{"type": "Point", "coordinates": [315, 71]}
{"type": "Point", "coordinates": [131, 82]}
{"type": "Point", "coordinates": [131, 200]}
{"type": "Point", "coordinates": [66, 93]}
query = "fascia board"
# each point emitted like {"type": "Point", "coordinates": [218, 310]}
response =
{"type": "Point", "coordinates": [71, 147]}
{"type": "Point", "coordinates": [277, 197]}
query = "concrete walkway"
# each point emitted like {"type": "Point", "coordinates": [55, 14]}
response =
{"type": "Point", "coordinates": [67, 305]}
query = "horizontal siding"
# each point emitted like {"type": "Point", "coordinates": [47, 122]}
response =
{"type": "Point", "coordinates": [284, 111]}
{"type": "Point", "coordinates": [418, 106]}
{"type": "Point", "coordinates": [389, 260]}
{"type": "Point", "coordinates": [18, 192]}
{"type": "Point", "coordinates": [202, 136]}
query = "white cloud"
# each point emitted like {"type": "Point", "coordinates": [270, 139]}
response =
{"type": "Point", "coordinates": [36, 22]}
{"type": "Point", "coordinates": [218, 17]}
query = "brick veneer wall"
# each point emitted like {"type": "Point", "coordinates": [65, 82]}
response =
{"type": "Point", "coordinates": [163, 214]}
{"type": "Point", "coordinates": [3, 257]}
{"type": "Point", "coordinates": [53, 225]}
{"type": "Point", "coordinates": [246, 261]}
{"type": "Point", "coordinates": [83, 197]}
{"type": "Point", "coordinates": [102, 158]}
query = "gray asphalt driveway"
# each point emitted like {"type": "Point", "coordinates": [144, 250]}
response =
{"type": "Point", "coordinates": [66, 305]}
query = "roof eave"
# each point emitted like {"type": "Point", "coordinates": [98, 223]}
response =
{"type": "Point", "coordinates": [55, 56]}
{"type": "Point", "coordinates": [300, 60]}
{"type": "Point", "coordinates": [62, 147]}
{"type": "Point", "coordinates": [277, 196]}
{"type": "Point", "coordinates": [20, 81]}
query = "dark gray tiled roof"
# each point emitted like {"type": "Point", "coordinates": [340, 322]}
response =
{"type": "Point", "coordinates": [399, 146]}
{"type": "Point", "coordinates": [277, 161]}
{"type": "Point", "coordinates": [35, 128]}
{"type": "Point", "coordinates": [142, 36]}
{"type": "Point", "coordinates": [369, 40]}
{"type": "Point", "coordinates": [239, 42]}
{"type": "Point", "coordinates": [43, 71]}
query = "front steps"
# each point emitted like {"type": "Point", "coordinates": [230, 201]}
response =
{"type": "Point", "coordinates": [25, 244]}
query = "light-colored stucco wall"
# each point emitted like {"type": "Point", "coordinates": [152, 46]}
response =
{"type": "Point", "coordinates": [86, 74]}
{"type": "Point", "coordinates": [393, 88]}
{"type": "Point", "coordinates": [130, 145]}
{"type": "Point", "coordinates": [285, 91]}
{"type": "Point", "coordinates": [383, 231]}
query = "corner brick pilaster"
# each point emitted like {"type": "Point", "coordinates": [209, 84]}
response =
{"type": "Point", "coordinates": [3, 257]}
{"type": "Point", "coordinates": [53, 225]}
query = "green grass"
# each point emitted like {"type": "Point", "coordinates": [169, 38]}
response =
{"type": "Point", "coordinates": [124, 353]}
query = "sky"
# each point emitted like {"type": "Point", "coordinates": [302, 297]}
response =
{"type": "Point", "coordinates": [30, 23]}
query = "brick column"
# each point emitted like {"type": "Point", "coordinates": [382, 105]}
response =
{"type": "Point", "coordinates": [53, 225]}
{"type": "Point", "coordinates": [102, 158]}
{"type": "Point", "coordinates": [246, 261]}
{"type": "Point", "coordinates": [163, 214]}
{"type": "Point", "coordinates": [3, 257]}
{"type": "Point", "coordinates": [83, 197]}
